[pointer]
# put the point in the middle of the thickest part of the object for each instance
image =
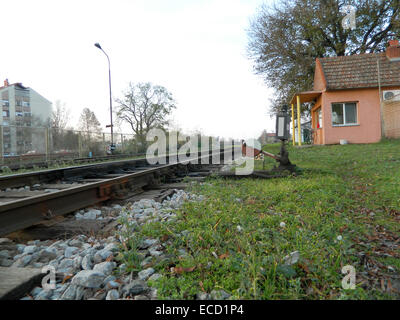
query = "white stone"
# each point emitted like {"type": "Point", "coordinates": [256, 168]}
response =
{"type": "Point", "coordinates": [70, 251]}
{"type": "Point", "coordinates": [292, 258]}
{"type": "Point", "coordinates": [145, 274]}
{"type": "Point", "coordinates": [89, 279]}
{"type": "Point", "coordinates": [104, 267]}
{"type": "Point", "coordinates": [155, 277]}
{"type": "Point", "coordinates": [66, 263]}
{"type": "Point", "coordinates": [155, 253]}
{"type": "Point", "coordinates": [112, 295]}
{"type": "Point", "coordinates": [30, 249]}
{"type": "Point", "coordinates": [102, 255]}
{"type": "Point", "coordinates": [111, 247]}
{"type": "Point", "coordinates": [87, 262]}
{"type": "Point", "coordinates": [90, 215]}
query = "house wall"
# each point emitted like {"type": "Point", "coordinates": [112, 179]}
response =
{"type": "Point", "coordinates": [368, 129]}
{"type": "Point", "coordinates": [40, 106]}
{"type": "Point", "coordinates": [319, 137]}
{"type": "Point", "coordinates": [319, 78]}
{"type": "Point", "coordinates": [28, 138]}
{"type": "Point", "coordinates": [391, 116]}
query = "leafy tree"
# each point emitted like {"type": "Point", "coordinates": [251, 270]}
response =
{"type": "Point", "coordinates": [145, 106]}
{"type": "Point", "coordinates": [287, 37]}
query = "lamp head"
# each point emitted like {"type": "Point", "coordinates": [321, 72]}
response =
{"type": "Point", "coordinates": [97, 45]}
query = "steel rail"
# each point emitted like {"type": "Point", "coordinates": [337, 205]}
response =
{"type": "Point", "coordinates": [23, 213]}
{"type": "Point", "coordinates": [20, 214]}
{"type": "Point", "coordinates": [31, 178]}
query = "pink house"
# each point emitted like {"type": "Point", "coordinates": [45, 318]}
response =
{"type": "Point", "coordinates": [356, 98]}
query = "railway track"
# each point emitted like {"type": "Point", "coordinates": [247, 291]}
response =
{"type": "Point", "coordinates": [39, 161]}
{"type": "Point", "coordinates": [30, 198]}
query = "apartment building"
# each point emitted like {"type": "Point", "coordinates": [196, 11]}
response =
{"type": "Point", "coordinates": [22, 109]}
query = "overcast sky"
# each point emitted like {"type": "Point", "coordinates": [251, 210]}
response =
{"type": "Point", "coordinates": [194, 48]}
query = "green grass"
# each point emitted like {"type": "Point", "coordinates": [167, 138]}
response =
{"type": "Point", "coordinates": [350, 191]}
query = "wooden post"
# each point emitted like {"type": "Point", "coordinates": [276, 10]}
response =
{"type": "Point", "coordinates": [298, 120]}
{"type": "Point", "coordinates": [294, 129]}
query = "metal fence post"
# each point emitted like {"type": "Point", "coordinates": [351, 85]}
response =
{"type": "Point", "coordinates": [46, 132]}
{"type": "Point", "coordinates": [2, 144]}
{"type": "Point", "coordinates": [79, 144]}
{"type": "Point", "coordinates": [104, 144]}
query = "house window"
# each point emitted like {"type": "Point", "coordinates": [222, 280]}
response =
{"type": "Point", "coordinates": [6, 113]}
{"type": "Point", "coordinates": [344, 114]}
{"type": "Point", "coordinates": [19, 114]}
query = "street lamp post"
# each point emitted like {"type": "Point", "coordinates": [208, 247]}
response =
{"type": "Point", "coordinates": [112, 147]}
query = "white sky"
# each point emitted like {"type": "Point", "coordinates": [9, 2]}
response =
{"type": "Point", "coordinates": [194, 48]}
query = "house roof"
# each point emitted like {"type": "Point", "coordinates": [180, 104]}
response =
{"type": "Point", "coordinates": [360, 71]}
{"type": "Point", "coordinates": [17, 84]}
{"type": "Point", "coordinates": [306, 96]}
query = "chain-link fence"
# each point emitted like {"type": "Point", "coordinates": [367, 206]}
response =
{"type": "Point", "coordinates": [21, 145]}
{"type": "Point", "coordinates": [31, 144]}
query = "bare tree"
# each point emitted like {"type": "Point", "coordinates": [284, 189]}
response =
{"type": "Point", "coordinates": [88, 121]}
{"type": "Point", "coordinates": [91, 132]}
{"type": "Point", "coordinates": [60, 116]}
{"type": "Point", "coordinates": [145, 106]}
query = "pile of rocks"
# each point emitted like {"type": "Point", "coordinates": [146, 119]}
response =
{"type": "Point", "coordinates": [146, 210]}
{"type": "Point", "coordinates": [86, 264]}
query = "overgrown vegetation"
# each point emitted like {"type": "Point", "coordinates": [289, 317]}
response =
{"type": "Point", "coordinates": [343, 210]}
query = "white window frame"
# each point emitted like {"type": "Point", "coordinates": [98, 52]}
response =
{"type": "Point", "coordinates": [344, 114]}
